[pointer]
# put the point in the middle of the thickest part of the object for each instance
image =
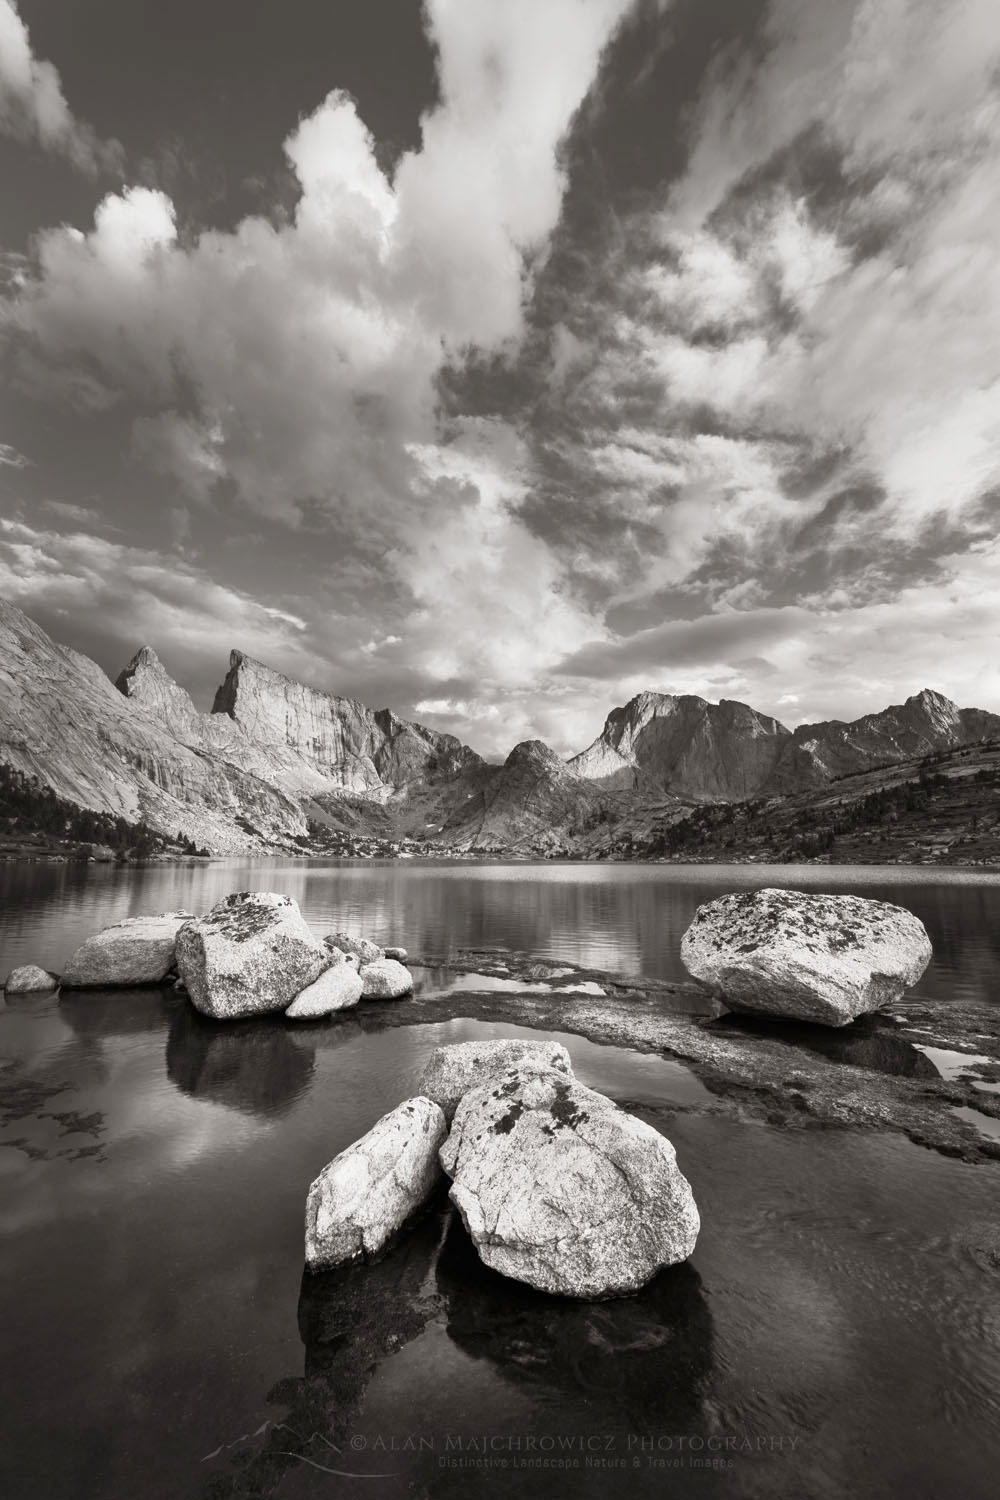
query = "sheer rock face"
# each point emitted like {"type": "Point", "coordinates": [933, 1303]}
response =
{"type": "Point", "coordinates": [451, 1072]}
{"type": "Point", "coordinates": [139, 950]}
{"type": "Point", "coordinates": [63, 721]}
{"type": "Point", "coordinates": [684, 745]}
{"type": "Point", "coordinates": [146, 681]}
{"type": "Point", "coordinates": [251, 954]}
{"type": "Point", "coordinates": [367, 1193]}
{"type": "Point", "coordinates": [561, 1189]}
{"type": "Point", "coordinates": [354, 748]}
{"type": "Point", "coordinates": [805, 956]}
{"type": "Point", "coordinates": [730, 752]}
{"type": "Point", "coordinates": [241, 779]}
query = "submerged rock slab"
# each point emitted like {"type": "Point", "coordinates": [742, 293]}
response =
{"type": "Point", "coordinates": [385, 979]}
{"type": "Point", "coordinates": [139, 950]}
{"type": "Point", "coordinates": [29, 979]}
{"type": "Point", "coordinates": [561, 1189]}
{"type": "Point", "coordinates": [367, 1193]}
{"type": "Point", "coordinates": [805, 955]}
{"type": "Point", "coordinates": [337, 988]}
{"type": "Point", "coordinates": [251, 954]}
{"type": "Point", "coordinates": [450, 1072]}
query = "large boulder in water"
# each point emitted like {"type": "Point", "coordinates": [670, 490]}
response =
{"type": "Point", "coordinates": [367, 1193]}
{"type": "Point", "coordinates": [337, 988]}
{"type": "Point", "coordinates": [561, 1189]}
{"type": "Point", "coordinates": [252, 953]}
{"type": "Point", "coordinates": [29, 979]}
{"type": "Point", "coordinates": [804, 955]}
{"type": "Point", "coordinates": [450, 1072]}
{"type": "Point", "coordinates": [139, 950]}
{"type": "Point", "coordinates": [385, 979]}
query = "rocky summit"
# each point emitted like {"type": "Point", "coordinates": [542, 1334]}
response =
{"type": "Point", "coordinates": [728, 752]}
{"type": "Point", "coordinates": [278, 765]}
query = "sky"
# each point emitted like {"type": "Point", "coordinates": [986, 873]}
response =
{"type": "Point", "coordinates": [494, 363]}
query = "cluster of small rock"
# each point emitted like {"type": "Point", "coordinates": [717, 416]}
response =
{"type": "Point", "coordinates": [252, 954]}
{"type": "Point", "coordinates": [556, 1185]}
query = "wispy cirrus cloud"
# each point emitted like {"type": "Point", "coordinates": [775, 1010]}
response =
{"type": "Point", "coordinates": [11, 459]}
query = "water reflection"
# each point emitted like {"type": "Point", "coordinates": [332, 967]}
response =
{"type": "Point", "coordinates": [870, 1042]}
{"type": "Point", "coordinates": [254, 1065]}
{"type": "Point", "coordinates": [634, 1364]}
{"type": "Point", "coordinates": [350, 1319]}
{"type": "Point", "coordinates": [643, 1360]}
{"type": "Point", "coordinates": [95, 1015]}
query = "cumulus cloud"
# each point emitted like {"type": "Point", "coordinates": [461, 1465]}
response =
{"type": "Point", "coordinates": [298, 363]}
{"type": "Point", "coordinates": [292, 368]}
{"type": "Point", "coordinates": [33, 107]}
{"type": "Point", "coordinates": [776, 392]}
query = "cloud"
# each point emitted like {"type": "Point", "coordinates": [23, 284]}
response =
{"type": "Point", "coordinates": [711, 459]}
{"type": "Point", "coordinates": [682, 644]}
{"type": "Point", "coordinates": [10, 457]}
{"type": "Point", "coordinates": [114, 597]}
{"type": "Point", "coordinates": [820, 660]}
{"type": "Point", "coordinates": [33, 107]}
{"type": "Point", "coordinates": [297, 364]}
{"type": "Point", "coordinates": [811, 310]}
{"type": "Point", "coordinates": [292, 369]}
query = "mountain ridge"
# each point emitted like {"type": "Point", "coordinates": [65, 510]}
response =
{"type": "Point", "coordinates": [278, 764]}
{"type": "Point", "coordinates": [730, 751]}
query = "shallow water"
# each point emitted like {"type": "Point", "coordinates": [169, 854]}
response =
{"type": "Point", "coordinates": [837, 1332]}
{"type": "Point", "coordinates": [620, 918]}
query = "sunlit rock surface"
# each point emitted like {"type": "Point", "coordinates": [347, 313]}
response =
{"type": "Point", "coordinates": [561, 1189]}
{"type": "Point", "coordinates": [362, 948]}
{"type": "Point", "coordinates": [385, 979]}
{"type": "Point", "coordinates": [367, 1193]}
{"type": "Point", "coordinates": [337, 988]}
{"type": "Point", "coordinates": [451, 1071]}
{"type": "Point", "coordinates": [139, 950]}
{"type": "Point", "coordinates": [29, 979]}
{"type": "Point", "coordinates": [252, 953]}
{"type": "Point", "coordinates": [803, 955]}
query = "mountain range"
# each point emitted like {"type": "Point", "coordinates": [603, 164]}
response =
{"type": "Point", "coordinates": [278, 765]}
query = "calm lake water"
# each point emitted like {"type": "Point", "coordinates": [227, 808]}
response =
{"type": "Point", "coordinates": [836, 1333]}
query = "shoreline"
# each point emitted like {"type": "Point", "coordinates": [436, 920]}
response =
{"type": "Point", "coordinates": [59, 855]}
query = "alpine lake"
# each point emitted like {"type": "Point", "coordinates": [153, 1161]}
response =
{"type": "Point", "coordinates": [836, 1333]}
